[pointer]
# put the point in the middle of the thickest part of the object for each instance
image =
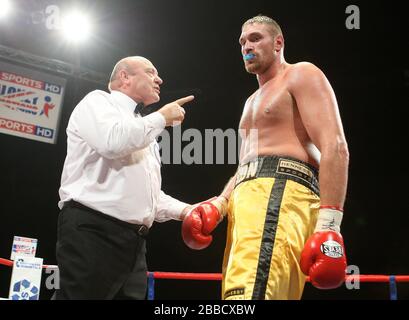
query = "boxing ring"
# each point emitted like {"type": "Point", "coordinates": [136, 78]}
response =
{"type": "Point", "coordinates": [392, 280]}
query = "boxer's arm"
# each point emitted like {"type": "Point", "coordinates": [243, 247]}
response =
{"type": "Point", "coordinates": [318, 109]}
{"type": "Point", "coordinates": [323, 257]}
{"type": "Point", "coordinates": [228, 189]}
{"type": "Point", "coordinates": [203, 218]}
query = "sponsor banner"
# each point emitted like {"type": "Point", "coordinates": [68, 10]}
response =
{"type": "Point", "coordinates": [23, 246]}
{"type": "Point", "coordinates": [30, 103]}
{"type": "Point", "coordinates": [26, 278]}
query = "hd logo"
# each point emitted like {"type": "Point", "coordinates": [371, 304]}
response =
{"type": "Point", "coordinates": [25, 290]}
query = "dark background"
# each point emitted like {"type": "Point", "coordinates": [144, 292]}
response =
{"type": "Point", "coordinates": [194, 45]}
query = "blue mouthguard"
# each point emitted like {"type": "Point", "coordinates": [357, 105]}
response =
{"type": "Point", "coordinates": [249, 56]}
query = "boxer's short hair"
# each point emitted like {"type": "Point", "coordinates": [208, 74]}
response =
{"type": "Point", "coordinates": [274, 26]}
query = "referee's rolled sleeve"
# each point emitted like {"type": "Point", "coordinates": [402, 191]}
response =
{"type": "Point", "coordinates": [156, 119]}
{"type": "Point", "coordinates": [169, 208]}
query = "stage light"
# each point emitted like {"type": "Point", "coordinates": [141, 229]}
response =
{"type": "Point", "coordinates": [5, 8]}
{"type": "Point", "coordinates": [76, 26]}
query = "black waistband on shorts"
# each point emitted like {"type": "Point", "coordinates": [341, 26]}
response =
{"type": "Point", "coordinates": [280, 168]}
{"type": "Point", "coordinates": [141, 229]}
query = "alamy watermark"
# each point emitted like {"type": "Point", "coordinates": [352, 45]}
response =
{"type": "Point", "coordinates": [52, 282]}
{"type": "Point", "coordinates": [213, 146]}
{"type": "Point", "coordinates": [352, 280]}
{"type": "Point", "coordinates": [353, 21]}
{"type": "Point", "coordinates": [50, 16]}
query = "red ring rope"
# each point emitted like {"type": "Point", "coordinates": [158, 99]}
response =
{"type": "Point", "coordinates": [218, 276]}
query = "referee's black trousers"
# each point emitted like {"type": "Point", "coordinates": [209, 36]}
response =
{"type": "Point", "coordinates": [99, 257]}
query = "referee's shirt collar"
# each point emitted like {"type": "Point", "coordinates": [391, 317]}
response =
{"type": "Point", "coordinates": [124, 101]}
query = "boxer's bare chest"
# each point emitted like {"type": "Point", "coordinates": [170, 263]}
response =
{"type": "Point", "coordinates": [269, 106]}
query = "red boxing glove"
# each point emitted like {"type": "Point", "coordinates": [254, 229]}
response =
{"type": "Point", "coordinates": [200, 222]}
{"type": "Point", "coordinates": [323, 257]}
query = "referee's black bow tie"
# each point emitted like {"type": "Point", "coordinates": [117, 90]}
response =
{"type": "Point", "coordinates": [139, 108]}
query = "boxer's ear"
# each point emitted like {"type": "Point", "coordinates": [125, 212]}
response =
{"type": "Point", "coordinates": [278, 43]}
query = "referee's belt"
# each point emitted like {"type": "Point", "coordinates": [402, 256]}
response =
{"type": "Point", "coordinates": [141, 229]}
{"type": "Point", "coordinates": [280, 168]}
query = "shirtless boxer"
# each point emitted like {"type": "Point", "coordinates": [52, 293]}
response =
{"type": "Point", "coordinates": [283, 216]}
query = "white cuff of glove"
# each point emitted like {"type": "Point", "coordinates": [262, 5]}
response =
{"type": "Point", "coordinates": [329, 220]}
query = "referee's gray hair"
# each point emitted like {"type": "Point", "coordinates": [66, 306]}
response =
{"type": "Point", "coordinates": [125, 64]}
{"type": "Point", "coordinates": [120, 65]}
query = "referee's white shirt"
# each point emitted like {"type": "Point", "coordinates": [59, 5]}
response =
{"type": "Point", "coordinates": [113, 161]}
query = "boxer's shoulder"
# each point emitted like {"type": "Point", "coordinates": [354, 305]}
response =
{"type": "Point", "coordinates": [301, 73]}
{"type": "Point", "coordinates": [302, 69]}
